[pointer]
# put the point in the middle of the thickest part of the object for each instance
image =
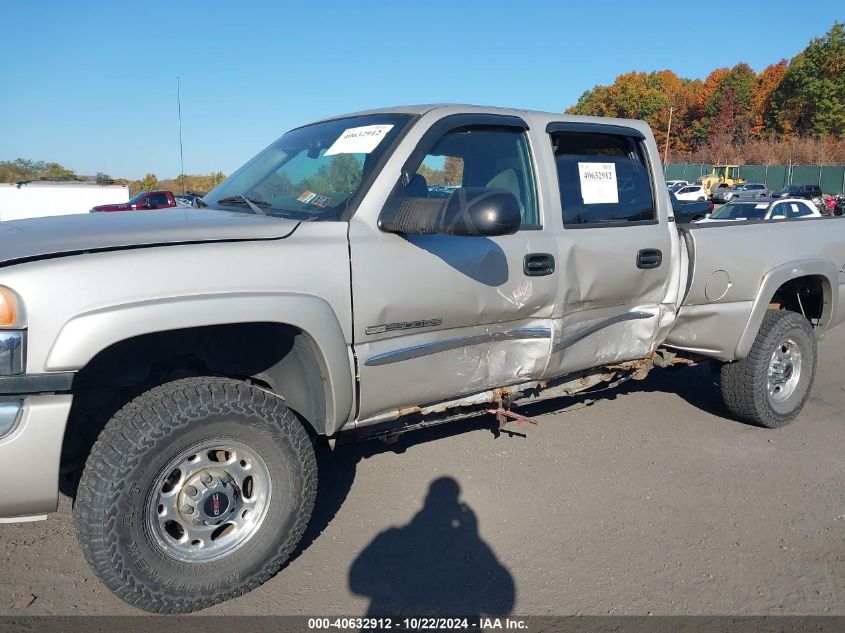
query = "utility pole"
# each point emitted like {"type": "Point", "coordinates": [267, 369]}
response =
{"type": "Point", "coordinates": [181, 155]}
{"type": "Point", "coordinates": [668, 132]}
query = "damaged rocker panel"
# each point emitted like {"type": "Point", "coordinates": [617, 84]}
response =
{"type": "Point", "coordinates": [424, 349]}
{"type": "Point", "coordinates": [572, 338]}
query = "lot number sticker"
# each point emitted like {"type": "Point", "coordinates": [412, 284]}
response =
{"type": "Point", "coordinates": [359, 140]}
{"type": "Point", "coordinates": [598, 183]}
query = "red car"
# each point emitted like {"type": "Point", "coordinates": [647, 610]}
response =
{"type": "Point", "coordinates": [144, 201]}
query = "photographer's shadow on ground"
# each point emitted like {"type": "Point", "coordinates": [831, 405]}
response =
{"type": "Point", "coordinates": [436, 565]}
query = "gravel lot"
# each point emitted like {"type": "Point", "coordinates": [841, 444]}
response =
{"type": "Point", "coordinates": [650, 501]}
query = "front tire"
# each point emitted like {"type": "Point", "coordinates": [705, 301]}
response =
{"type": "Point", "coordinates": [770, 386]}
{"type": "Point", "coordinates": [196, 491]}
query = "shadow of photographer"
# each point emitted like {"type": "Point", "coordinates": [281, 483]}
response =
{"type": "Point", "coordinates": [436, 565]}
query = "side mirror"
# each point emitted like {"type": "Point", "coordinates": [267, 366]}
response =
{"type": "Point", "coordinates": [469, 211]}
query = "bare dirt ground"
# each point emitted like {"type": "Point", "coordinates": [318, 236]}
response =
{"type": "Point", "coordinates": [649, 501]}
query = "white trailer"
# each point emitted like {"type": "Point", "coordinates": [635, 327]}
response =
{"type": "Point", "coordinates": [40, 198]}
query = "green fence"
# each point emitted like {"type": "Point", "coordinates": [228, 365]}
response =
{"type": "Point", "coordinates": [831, 178]}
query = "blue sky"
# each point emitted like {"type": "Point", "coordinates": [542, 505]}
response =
{"type": "Point", "coordinates": [92, 85]}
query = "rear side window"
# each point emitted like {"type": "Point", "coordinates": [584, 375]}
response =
{"type": "Point", "coordinates": [603, 179]}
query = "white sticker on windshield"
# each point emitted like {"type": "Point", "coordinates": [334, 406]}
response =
{"type": "Point", "coordinates": [761, 205]}
{"type": "Point", "coordinates": [359, 140]}
{"type": "Point", "coordinates": [598, 183]}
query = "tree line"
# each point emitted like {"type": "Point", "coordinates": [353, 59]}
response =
{"type": "Point", "coordinates": [23, 170]}
{"type": "Point", "coordinates": [792, 111]}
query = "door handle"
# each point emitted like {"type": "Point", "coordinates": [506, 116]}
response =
{"type": "Point", "coordinates": [649, 258]}
{"type": "Point", "coordinates": [538, 264]}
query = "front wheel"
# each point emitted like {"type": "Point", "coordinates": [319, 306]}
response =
{"type": "Point", "coordinates": [770, 386]}
{"type": "Point", "coordinates": [197, 491]}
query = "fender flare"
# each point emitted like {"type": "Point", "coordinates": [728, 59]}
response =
{"type": "Point", "coordinates": [86, 335]}
{"type": "Point", "coordinates": [773, 280]}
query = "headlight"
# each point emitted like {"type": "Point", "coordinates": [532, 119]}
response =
{"type": "Point", "coordinates": [12, 314]}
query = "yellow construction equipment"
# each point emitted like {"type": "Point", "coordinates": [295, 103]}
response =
{"type": "Point", "coordinates": [722, 176]}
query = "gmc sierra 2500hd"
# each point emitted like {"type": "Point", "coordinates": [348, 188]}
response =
{"type": "Point", "coordinates": [366, 275]}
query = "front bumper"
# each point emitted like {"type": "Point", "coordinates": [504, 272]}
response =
{"type": "Point", "coordinates": [29, 457]}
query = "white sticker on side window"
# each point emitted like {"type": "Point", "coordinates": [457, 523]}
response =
{"type": "Point", "coordinates": [359, 140]}
{"type": "Point", "coordinates": [598, 183]}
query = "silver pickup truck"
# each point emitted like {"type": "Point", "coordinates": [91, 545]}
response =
{"type": "Point", "coordinates": [366, 275]}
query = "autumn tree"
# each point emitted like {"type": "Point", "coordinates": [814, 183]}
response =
{"type": "Point", "coordinates": [148, 182]}
{"type": "Point", "coordinates": [453, 170]}
{"type": "Point", "coordinates": [810, 99]}
{"type": "Point", "coordinates": [761, 98]}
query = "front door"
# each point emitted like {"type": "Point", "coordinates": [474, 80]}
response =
{"type": "Point", "coordinates": [439, 317]}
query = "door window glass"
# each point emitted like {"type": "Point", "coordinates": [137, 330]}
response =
{"type": "Point", "coordinates": [157, 200]}
{"type": "Point", "coordinates": [603, 179]}
{"type": "Point", "coordinates": [478, 156]}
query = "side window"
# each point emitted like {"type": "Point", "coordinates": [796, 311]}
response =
{"type": "Point", "coordinates": [479, 156]}
{"type": "Point", "coordinates": [798, 210]}
{"type": "Point", "coordinates": [603, 178]}
{"type": "Point", "coordinates": [157, 200]}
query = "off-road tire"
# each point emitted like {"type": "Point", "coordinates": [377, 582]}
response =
{"type": "Point", "coordinates": [129, 455]}
{"type": "Point", "coordinates": [744, 383]}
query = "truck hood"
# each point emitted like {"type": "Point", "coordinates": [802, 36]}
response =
{"type": "Point", "coordinates": [125, 206]}
{"type": "Point", "coordinates": [40, 238]}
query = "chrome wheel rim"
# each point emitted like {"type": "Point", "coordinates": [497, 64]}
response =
{"type": "Point", "coordinates": [208, 501]}
{"type": "Point", "coordinates": [784, 370]}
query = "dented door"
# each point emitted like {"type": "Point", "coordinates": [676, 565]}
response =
{"type": "Point", "coordinates": [436, 316]}
{"type": "Point", "coordinates": [617, 250]}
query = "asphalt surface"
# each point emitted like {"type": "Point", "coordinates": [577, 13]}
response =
{"type": "Point", "coordinates": [649, 501]}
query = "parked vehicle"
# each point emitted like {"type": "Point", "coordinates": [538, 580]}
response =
{"type": "Point", "coordinates": [799, 191]}
{"type": "Point", "coordinates": [686, 212]}
{"type": "Point", "coordinates": [187, 199]}
{"type": "Point", "coordinates": [191, 360]}
{"type": "Point", "coordinates": [722, 177]}
{"type": "Point", "coordinates": [673, 184]}
{"type": "Point", "coordinates": [691, 193]}
{"type": "Point", "coordinates": [738, 192]}
{"type": "Point", "coordinates": [143, 201]}
{"type": "Point", "coordinates": [763, 209]}
{"type": "Point", "coordinates": [839, 207]}
{"type": "Point", "coordinates": [44, 198]}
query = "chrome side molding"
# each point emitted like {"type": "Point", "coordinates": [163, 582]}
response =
{"type": "Point", "coordinates": [424, 349]}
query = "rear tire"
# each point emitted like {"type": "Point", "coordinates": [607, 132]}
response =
{"type": "Point", "coordinates": [196, 491]}
{"type": "Point", "coordinates": [770, 386]}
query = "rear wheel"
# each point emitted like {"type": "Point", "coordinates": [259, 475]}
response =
{"type": "Point", "coordinates": [770, 386]}
{"type": "Point", "coordinates": [196, 491]}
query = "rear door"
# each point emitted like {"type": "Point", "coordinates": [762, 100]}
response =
{"type": "Point", "coordinates": [616, 249]}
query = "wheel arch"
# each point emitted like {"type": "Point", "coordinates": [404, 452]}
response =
{"type": "Point", "coordinates": [317, 344]}
{"type": "Point", "coordinates": [821, 272]}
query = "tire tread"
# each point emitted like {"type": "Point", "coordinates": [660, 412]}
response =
{"type": "Point", "coordinates": [133, 429]}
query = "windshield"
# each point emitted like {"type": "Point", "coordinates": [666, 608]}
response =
{"type": "Point", "coordinates": [312, 172]}
{"type": "Point", "coordinates": [137, 197]}
{"type": "Point", "coordinates": [740, 212]}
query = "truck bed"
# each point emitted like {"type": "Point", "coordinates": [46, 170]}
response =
{"type": "Point", "coordinates": [735, 271]}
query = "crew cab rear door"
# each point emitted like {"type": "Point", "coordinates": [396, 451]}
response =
{"type": "Point", "coordinates": [617, 252]}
